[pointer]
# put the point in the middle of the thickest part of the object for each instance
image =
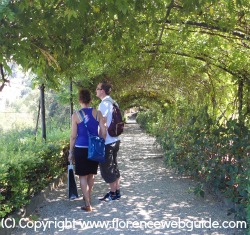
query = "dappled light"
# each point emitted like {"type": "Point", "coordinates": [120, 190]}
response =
{"type": "Point", "coordinates": [150, 192]}
{"type": "Point", "coordinates": [180, 69]}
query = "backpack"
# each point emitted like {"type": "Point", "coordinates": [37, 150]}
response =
{"type": "Point", "coordinates": [116, 126]}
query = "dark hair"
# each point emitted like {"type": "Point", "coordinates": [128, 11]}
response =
{"type": "Point", "coordinates": [106, 86]}
{"type": "Point", "coordinates": [84, 96]}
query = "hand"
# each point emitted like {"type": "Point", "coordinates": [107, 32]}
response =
{"type": "Point", "coordinates": [70, 157]}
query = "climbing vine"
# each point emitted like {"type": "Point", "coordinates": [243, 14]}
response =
{"type": "Point", "coordinates": [177, 56]}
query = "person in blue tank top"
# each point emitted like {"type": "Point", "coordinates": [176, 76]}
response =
{"type": "Point", "coordinates": [84, 168]}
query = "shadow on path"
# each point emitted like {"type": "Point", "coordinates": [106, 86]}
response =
{"type": "Point", "coordinates": [153, 198]}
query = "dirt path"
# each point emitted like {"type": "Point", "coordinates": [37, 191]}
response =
{"type": "Point", "coordinates": [152, 197]}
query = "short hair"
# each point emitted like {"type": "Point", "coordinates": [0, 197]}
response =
{"type": "Point", "coordinates": [84, 96]}
{"type": "Point", "coordinates": [106, 86]}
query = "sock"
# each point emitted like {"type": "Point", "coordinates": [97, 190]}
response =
{"type": "Point", "coordinates": [112, 194]}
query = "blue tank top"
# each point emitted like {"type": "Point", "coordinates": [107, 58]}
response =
{"type": "Point", "coordinates": [82, 139]}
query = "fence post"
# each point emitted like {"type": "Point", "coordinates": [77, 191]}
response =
{"type": "Point", "coordinates": [42, 103]}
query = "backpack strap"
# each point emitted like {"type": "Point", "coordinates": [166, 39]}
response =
{"type": "Point", "coordinates": [82, 114]}
{"type": "Point", "coordinates": [112, 102]}
{"type": "Point", "coordinates": [79, 115]}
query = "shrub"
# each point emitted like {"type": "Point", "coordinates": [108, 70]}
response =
{"type": "Point", "coordinates": [216, 154]}
{"type": "Point", "coordinates": [27, 166]}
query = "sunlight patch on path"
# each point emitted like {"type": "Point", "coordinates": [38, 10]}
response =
{"type": "Point", "coordinates": [151, 194]}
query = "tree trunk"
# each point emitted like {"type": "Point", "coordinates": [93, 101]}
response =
{"type": "Point", "coordinates": [42, 103]}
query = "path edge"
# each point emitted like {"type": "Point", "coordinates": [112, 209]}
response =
{"type": "Point", "coordinates": [34, 202]}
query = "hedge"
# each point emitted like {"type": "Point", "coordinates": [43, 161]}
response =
{"type": "Point", "coordinates": [27, 167]}
{"type": "Point", "coordinates": [217, 154]}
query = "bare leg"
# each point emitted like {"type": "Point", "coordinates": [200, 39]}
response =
{"type": "Point", "coordinates": [85, 189]}
{"type": "Point", "coordinates": [118, 181]}
{"type": "Point", "coordinates": [115, 185]}
{"type": "Point", "coordinates": [90, 180]}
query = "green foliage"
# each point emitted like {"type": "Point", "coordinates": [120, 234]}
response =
{"type": "Point", "coordinates": [198, 190]}
{"type": "Point", "coordinates": [68, 38]}
{"type": "Point", "coordinates": [197, 145]}
{"type": "Point", "coordinates": [176, 58]}
{"type": "Point", "coordinates": [27, 166]}
{"type": "Point", "coordinates": [5, 11]}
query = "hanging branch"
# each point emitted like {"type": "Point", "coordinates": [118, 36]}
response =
{"type": "Point", "coordinates": [213, 95]}
{"type": "Point", "coordinates": [2, 78]}
{"type": "Point", "coordinates": [171, 5]}
{"type": "Point", "coordinates": [240, 99]}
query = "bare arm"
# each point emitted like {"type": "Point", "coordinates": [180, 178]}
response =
{"type": "Point", "coordinates": [102, 125]}
{"type": "Point", "coordinates": [73, 135]}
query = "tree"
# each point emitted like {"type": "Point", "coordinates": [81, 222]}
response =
{"type": "Point", "coordinates": [178, 48]}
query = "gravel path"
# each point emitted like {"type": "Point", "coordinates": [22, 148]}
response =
{"type": "Point", "coordinates": [151, 196]}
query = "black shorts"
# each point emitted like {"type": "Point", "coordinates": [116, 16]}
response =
{"type": "Point", "coordinates": [83, 165]}
{"type": "Point", "coordinates": [109, 169]}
